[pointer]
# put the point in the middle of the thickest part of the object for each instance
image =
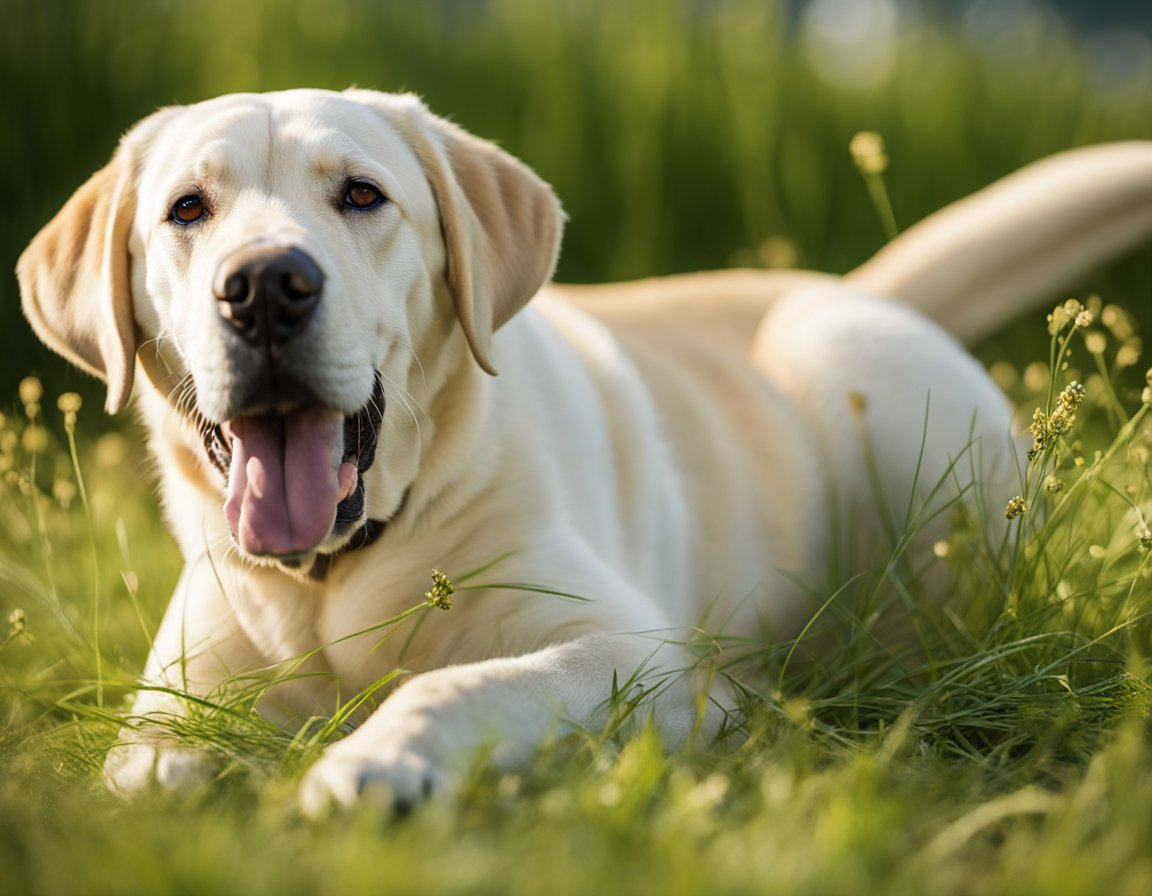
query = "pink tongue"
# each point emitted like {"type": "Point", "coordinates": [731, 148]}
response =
{"type": "Point", "coordinates": [285, 481]}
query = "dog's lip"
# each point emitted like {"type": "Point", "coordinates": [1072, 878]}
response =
{"type": "Point", "coordinates": [348, 476]}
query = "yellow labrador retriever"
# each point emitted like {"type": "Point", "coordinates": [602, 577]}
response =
{"type": "Point", "coordinates": [310, 294]}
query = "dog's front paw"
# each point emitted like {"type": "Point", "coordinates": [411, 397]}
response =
{"type": "Point", "coordinates": [136, 763]}
{"type": "Point", "coordinates": [395, 780]}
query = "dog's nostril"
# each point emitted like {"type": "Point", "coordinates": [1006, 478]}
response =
{"type": "Point", "coordinates": [235, 289]}
{"type": "Point", "coordinates": [236, 305]}
{"type": "Point", "coordinates": [303, 284]}
{"type": "Point", "coordinates": [300, 294]}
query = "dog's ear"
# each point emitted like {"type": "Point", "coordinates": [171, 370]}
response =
{"type": "Point", "coordinates": [75, 280]}
{"type": "Point", "coordinates": [501, 224]}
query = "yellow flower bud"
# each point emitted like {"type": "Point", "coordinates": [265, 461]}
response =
{"type": "Point", "coordinates": [69, 403]}
{"type": "Point", "coordinates": [30, 390]}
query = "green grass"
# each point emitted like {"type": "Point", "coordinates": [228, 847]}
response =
{"type": "Point", "coordinates": [1004, 748]}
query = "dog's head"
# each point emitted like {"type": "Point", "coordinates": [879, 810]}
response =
{"type": "Point", "coordinates": [279, 262]}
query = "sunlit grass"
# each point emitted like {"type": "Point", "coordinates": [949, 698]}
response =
{"type": "Point", "coordinates": [1003, 748]}
{"type": "Point", "coordinates": [1011, 729]}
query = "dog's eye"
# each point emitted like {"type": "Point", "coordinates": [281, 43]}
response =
{"type": "Point", "coordinates": [362, 196]}
{"type": "Point", "coordinates": [188, 210]}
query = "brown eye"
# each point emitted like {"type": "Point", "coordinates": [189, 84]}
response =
{"type": "Point", "coordinates": [362, 196]}
{"type": "Point", "coordinates": [188, 210]}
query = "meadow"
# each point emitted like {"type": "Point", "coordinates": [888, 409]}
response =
{"type": "Point", "coordinates": [1006, 746]}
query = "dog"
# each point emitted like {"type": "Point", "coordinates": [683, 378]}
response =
{"type": "Point", "coordinates": [309, 295]}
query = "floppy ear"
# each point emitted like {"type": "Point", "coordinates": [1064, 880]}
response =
{"type": "Point", "coordinates": [501, 224]}
{"type": "Point", "coordinates": [75, 280]}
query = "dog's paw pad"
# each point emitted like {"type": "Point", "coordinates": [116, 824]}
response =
{"type": "Point", "coordinates": [181, 770]}
{"type": "Point", "coordinates": [395, 785]}
{"type": "Point", "coordinates": [134, 766]}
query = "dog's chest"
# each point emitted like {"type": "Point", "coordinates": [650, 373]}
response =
{"type": "Point", "coordinates": [355, 627]}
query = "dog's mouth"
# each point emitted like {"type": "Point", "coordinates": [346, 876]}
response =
{"type": "Point", "coordinates": [295, 478]}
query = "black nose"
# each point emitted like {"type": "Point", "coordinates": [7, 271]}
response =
{"type": "Point", "coordinates": [268, 293]}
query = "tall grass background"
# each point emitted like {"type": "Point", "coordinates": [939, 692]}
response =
{"type": "Point", "coordinates": [1008, 753]}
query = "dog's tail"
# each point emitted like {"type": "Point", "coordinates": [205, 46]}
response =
{"type": "Point", "coordinates": [979, 263]}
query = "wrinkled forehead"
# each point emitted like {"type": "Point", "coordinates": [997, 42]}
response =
{"type": "Point", "coordinates": [280, 143]}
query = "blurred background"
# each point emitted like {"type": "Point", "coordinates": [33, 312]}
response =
{"type": "Point", "coordinates": [680, 134]}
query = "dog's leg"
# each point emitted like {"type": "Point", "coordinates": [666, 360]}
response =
{"type": "Point", "coordinates": [199, 649]}
{"type": "Point", "coordinates": [191, 654]}
{"type": "Point", "coordinates": [427, 734]}
{"type": "Point", "coordinates": [907, 420]}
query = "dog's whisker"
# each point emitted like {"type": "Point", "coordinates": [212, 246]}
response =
{"type": "Point", "coordinates": [402, 391]}
{"type": "Point", "coordinates": [155, 343]}
{"type": "Point", "coordinates": [407, 402]}
{"type": "Point", "coordinates": [182, 400]}
{"type": "Point", "coordinates": [419, 364]}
